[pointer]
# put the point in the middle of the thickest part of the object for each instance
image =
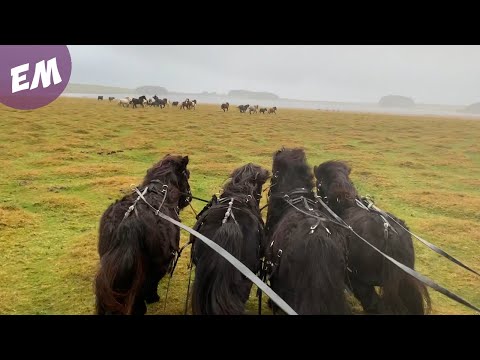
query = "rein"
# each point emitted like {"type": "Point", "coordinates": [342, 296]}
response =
{"type": "Point", "coordinates": [368, 204]}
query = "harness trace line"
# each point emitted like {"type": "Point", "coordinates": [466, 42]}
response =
{"type": "Point", "coordinates": [231, 259]}
{"type": "Point", "coordinates": [425, 242]}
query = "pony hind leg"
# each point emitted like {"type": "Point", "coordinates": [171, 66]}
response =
{"type": "Point", "coordinates": [150, 289]}
{"type": "Point", "coordinates": [368, 297]}
{"type": "Point", "coordinates": [139, 307]}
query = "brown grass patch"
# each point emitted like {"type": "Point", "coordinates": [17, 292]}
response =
{"type": "Point", "coordinates": [13, 217]}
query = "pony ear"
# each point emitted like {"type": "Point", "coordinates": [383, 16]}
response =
{"type": "Point", "coordinates": [349, 169]}
{"type": "Point", "coordinates": [185, 160]}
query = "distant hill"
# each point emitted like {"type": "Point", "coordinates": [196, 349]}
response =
{"type": "Point", "coordinates": [252, 95]}
{"type": "Point", "coordinates": [473, 108]}
{"type": "Point", "coordinates": [396, 101]}
{"type": "Point", "coordinates": [160, 91]}
{"type": "Point", "coordinates": [95, 89]}
{"type": "Point", "coordinates": [151, 90]}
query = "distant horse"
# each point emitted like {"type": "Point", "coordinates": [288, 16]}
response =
{"type": "Point", "coordinates": [253, 109]}
{"type": "Point", "coordinates": [235, 223]}
{"type": "Point", "coordinates": [400, 293]}
{"type": "Point", "coordinates": [272, 110]}
{"type": "Point", "coordinates": [125, 102]}
{"type": "Point", "coordinates": [110, 98]}
{"type": "Point", "coordinates": [243, 108]}
{"type": "Point", "coordinates": [140, 101]}
{"type": "Point", "coordinates": [159, 102]}
{"type": "Point", "coordinates": [305, 256]}
{"type": "Point", "coordinates": [175, 103]}
{"type": "Point", "coordinates": [184, 104]}
{"type": "Point", "coordinates": [136, 246]}
{"type": "Point", "coordinates": [100, 98]}
{"type": "Point", "coordinates": [263, 110]}
{"type": "Point", "coordinates": [187, 104]}
{"type": "Point", "coordinates": [225, 106]}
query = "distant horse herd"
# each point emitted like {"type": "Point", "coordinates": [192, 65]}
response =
{"type": "Point", "coordinates": [251, 109]}
{"type": "Point", "coordinates": [186, 104]}
{"type": "Point", "coordinates": [300, 251]}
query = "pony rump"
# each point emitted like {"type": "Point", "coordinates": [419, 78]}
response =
{"type": "Point", "coordinates": [401, 293]}
{"type": "Point", "coordinates": [122, 270]}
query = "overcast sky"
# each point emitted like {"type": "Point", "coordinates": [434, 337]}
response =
{"type": "Point", "coordinates": [431, 74]}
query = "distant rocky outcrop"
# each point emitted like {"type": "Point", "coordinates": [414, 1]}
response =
{"type": "Point", "coordinates": [151, 90]}
{"type": "Point", "coordinates": [252, 95]}
{"type": "Point", "coordinates": [473, 108]}
{"type": "Point", "coordinates": [396, 101]}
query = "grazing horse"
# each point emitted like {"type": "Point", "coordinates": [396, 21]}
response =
{"type": "Point", "coordinates": [263, 110]}
{"type": "Point", "coordinates": [140, 101]}
{"type": "Point", "coordinates": [235, 223]}
{"type": "Point", "coordinates": [100, 97]}
{"type": "Point", "coordinates": [225, 106]}
{"type": "Point", "coordinates": [273, 110]}
{"type": "Point", "coordinates": [400, 293]}
{"type": "Point", "coordinates": [136, 246]}
{"type": "Point", "coordinates": [305, 254]}
{"type": "Point", "coordinates": [110, 98]}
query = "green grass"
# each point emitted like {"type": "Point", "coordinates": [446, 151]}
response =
{"type": "Point", "coordinates": [59, 175]}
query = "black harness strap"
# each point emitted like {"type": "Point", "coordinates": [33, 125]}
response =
{"type": "Point", "coordinates": [370, 206]}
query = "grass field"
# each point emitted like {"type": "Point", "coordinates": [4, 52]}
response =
{"type": "Point", "coordinates": [62, 165]}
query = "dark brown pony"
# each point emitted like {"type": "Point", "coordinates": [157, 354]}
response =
{"type": "Point", "coordinates": [399, 292]}
{"type": "Point", "coordinates": [234, 222]}
{"type": "Point", "coordinates": [304, 255]}
{"type": "Point", "coordinates": [225, 106]}
{"type": "Point", "coordinates": [137, 248]}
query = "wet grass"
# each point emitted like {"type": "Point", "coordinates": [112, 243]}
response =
{"type": "Point", "coordinates": [63, 164]}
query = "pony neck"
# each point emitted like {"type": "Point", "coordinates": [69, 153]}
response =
{"type": "Point", "coordinates": [158, 185]}
{"type": "Point", "coordinates": [339, 204]}
{"type": "Point", "coordinates": [239, 191]}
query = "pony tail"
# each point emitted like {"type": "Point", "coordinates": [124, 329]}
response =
{"type": "Point", "coordinates": [401, 293]}
{"type": "Point", "coordinates": [217, 283]}
{"type": "Point", "coordinates": [122, 270]}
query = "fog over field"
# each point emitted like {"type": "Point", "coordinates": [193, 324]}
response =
{"type": "Point", "coordinates": [428, 74]}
